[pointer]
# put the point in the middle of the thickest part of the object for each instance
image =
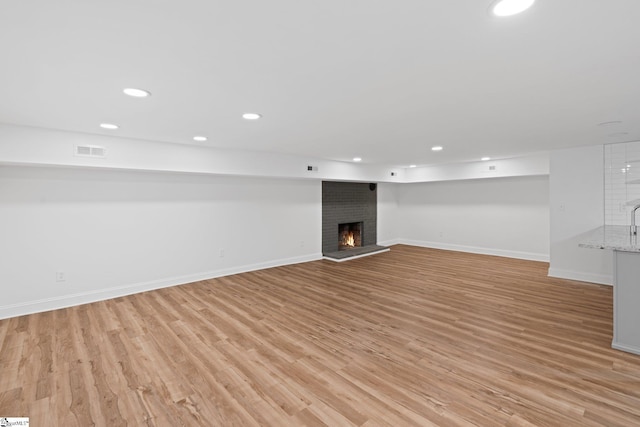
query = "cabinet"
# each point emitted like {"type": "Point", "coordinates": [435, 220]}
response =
{"type": "Point", "coordinates": [626, 301]}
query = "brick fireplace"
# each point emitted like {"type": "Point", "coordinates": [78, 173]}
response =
{"type": "Point", "coordinates": [349, 218]}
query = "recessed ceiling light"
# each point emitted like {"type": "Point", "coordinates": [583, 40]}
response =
{"type": "Point", "coordinates": [610, 123]}
{"type": "Point", "coordinates": [510, 7]}
{"type": "Point", "coordinates": [251, 116]}
{"type": "Point", "coordinates": [136, 93]}
{"type": "Point", "coordinates": [109, 126]}
{"type": "Point", "coordinates": [200, 138]}
{"type": "Point", "coordinates": [436, 148]}
{"type": "Point", "coordinates": [484, 159]}
{"type": "Point", "coordinates": [412, 166]}
{"type": "Point", "coordinates": [357, 159]}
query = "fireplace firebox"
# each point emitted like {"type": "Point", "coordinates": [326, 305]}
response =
{"type": "Point", "coordinates": [349, 235]}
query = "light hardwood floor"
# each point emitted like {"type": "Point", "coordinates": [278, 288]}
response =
{"type": "Point", "coordinates": [413, 336]}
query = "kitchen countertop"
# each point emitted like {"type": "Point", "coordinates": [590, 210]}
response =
{"type": "Point", "coordinates": [615, 237]}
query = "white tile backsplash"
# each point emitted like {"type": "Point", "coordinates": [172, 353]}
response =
{"type": "Point", "coordinates": [621, 181]}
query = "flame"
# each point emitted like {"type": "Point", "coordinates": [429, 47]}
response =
{"type": "Point", "coordinates": [349, 240]}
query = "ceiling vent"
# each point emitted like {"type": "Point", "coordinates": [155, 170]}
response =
{"type": "Point", "coordinates": [90, 151]}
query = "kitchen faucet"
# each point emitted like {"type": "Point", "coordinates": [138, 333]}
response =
{"type": "Point", "coordinates": [634, 228]}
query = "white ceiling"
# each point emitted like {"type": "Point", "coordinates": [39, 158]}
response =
{"type": "Point", "coordinates": [334, 79]}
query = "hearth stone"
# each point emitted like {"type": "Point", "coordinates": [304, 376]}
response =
{"type": "Point", "coordinates": [355, 252]}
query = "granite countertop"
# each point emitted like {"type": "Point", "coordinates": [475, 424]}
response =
{"type": "Point", "coordinates": [615, 237]}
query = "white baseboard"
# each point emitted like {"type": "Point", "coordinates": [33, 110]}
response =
{"type": "Point", "coordinates": [64, 301]}
{"type": "Point", "coordinates": [476, 250]}
{"type": "Point", "coordinates": [628, 349]}
{"type": "Point", "coordinates": [389, 242]}
{"type": "Point", "coordinates": [602, 279]}
{"type": "Point", "coordinates": [47, 304]}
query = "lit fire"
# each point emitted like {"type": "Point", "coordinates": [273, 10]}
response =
{"type": "Point", "coordinates": [349, 240]}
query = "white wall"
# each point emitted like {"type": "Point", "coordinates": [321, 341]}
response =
{"type": "Point", "coordinates": [118, 232]}
{"type": "Point", "coordinates": [577, 209]}
{"type": "Point", "coordinates": [499, 216]}
{"type": "Point", "coordinates": [387, 223]}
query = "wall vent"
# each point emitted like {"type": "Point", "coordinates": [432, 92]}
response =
{"type": "Point", "coordinates": [90, 151]}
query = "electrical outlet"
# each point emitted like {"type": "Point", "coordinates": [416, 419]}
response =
{"type": "Point", "coordinates": [221, 253]}
{"type": "Point", "coordinates": [302, 243]}
{"type": "Point", "coordinates": [61, 276]}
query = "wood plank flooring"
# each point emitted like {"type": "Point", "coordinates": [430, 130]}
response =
{"type": "Point", "coordinates": [413, 336]}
